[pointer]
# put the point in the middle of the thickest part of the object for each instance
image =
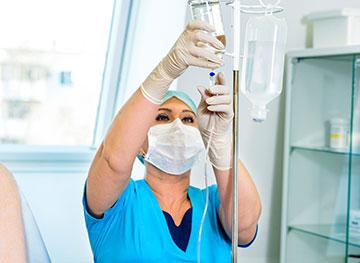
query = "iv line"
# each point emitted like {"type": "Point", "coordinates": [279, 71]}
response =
{"type": "Point", "coordinates": [207, 161]}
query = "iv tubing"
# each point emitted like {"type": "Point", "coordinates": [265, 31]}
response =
{"type": "Point", "coordinates": [207, 161]}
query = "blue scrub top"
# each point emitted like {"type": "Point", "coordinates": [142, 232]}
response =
{"type": "Point", "coordinates": [135, 229]}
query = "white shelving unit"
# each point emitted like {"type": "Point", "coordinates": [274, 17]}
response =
{"type": "Point", "coordinates": [321, 185]}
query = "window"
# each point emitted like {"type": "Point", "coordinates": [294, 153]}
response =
{"type": "Point", "coordinates": [52, 57]}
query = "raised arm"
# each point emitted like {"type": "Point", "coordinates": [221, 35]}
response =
{"type": "Point", "coordinates": [111, 169]}
{"type": "Point", "coordinates": [12, 239]}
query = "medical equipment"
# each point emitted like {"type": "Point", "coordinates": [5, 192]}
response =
{"type": "Point", "coordinates": [263, 63]}
{"type": "Point", "coordinates": [339, 134]}
{"type": "Point", "coordinates": [206, 176]}
{"type": "Point", "coordinates": [256, 45]}
{"type": "Point", "coordinates": [212, 79]}
{"type": "Point", "coordinates": [210, 12]}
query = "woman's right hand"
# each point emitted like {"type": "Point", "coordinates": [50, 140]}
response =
{"type": "Point", "coordinates": [195, 47]}
{"type": "Point", "coordinates": [192, 49]}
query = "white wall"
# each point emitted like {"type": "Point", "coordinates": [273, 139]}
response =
{"type": "Point", "coordinates": [261, 145]}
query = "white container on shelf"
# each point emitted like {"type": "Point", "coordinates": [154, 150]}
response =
{"type": "Point", "coordinates": [354, 223]}
{"type": "Point", "coordinates": [335, 28]}
{"type": "Point", "coordinates": [339, 134]}
{"type": "Point", "coordinates": [356, 142]}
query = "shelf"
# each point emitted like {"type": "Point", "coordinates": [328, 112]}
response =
{"type": "Point", "coordinates": [323, 150]}
{"type": "Point", "coordinates": [320, 183]}
{"type": "Point", "coordinates": [331, 232]}
{"type": "Point", "coordinates": [319, 53]}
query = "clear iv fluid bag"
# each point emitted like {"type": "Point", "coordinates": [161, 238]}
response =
{"type": "Point", "coordinates": [209, 11]}
{"type": "Point", "coordinates": [263, 64]}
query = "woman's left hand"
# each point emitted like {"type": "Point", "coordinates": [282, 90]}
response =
{"type": "Point", "coordinates": [215, 115]}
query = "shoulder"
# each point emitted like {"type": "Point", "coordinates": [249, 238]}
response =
{"type": "Point", "coordinates": [7, 181]}
{"type": "Point", "coordinates": [4, 173]}
{"type": "Point", "coordinates": [9, 193]}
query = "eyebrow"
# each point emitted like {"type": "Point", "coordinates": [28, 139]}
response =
{"type": "Point", "coordinates": [165, 109]}
{"type": "Point", "coordinates": [169, 110]}
{"type": "Point", "coordinates": [189, 111]}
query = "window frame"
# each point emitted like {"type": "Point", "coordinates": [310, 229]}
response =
{"type": "Point", "coordinates": [113, 73]}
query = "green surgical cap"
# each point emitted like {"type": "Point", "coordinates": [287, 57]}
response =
{"type": "Point", "coordinates": [181, 96]}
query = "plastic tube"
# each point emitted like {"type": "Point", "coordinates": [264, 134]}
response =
{"type": "Point", "coordinates": [207, 163]}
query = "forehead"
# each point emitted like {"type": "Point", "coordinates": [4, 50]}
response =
{"type": "Point", "coordinates": [175, 103]}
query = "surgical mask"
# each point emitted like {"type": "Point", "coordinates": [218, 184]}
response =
{"type": "Point", "coordinates": [174, 147]}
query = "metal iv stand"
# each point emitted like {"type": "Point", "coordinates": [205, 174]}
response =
{"type": "Point", "coordinates": [238, 8]}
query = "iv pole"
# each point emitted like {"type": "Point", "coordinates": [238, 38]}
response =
{"type": "Point", "coordinates": [237, 9]}
{"type": "Point", "coordinates": [235, 134]}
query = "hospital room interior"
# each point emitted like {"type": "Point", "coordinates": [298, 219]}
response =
{"type": "Point", "coordinates": [180, 131]}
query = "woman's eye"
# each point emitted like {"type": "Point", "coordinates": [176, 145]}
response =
{"type": "Point", "coordinates": [162, 117]}
{"type": "Point", "coordinates": [188, 119]}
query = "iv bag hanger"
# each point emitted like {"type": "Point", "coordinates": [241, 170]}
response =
{"type": "Point", "coordinates": [261, 8]}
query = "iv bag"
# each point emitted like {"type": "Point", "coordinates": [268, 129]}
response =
{"type": "Point", "coordinates": [209, 11]}
{"type": "Point", "coordinates": [263, 64]}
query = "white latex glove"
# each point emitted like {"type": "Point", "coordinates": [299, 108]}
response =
{"type": "Point", "coordinates": [191, 49]}
{"type": "Point", "coordinates": [215, 111]}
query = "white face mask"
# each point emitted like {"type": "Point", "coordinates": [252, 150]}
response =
{"type": "Point", "coordinates": [174, 147]}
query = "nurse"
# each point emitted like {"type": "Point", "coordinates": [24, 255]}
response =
{"type": "Point", "coordinates": [157, 219]}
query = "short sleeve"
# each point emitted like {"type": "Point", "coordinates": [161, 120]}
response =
{"type": "Point", "coordinates": [96, 226]}
{"type": "Point", "coordinates": [252, 241]}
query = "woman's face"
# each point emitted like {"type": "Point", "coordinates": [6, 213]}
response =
{"type": "Point", "coordinates": [169, 111]}
{"type": "Point", "coordinates": [175, 108]}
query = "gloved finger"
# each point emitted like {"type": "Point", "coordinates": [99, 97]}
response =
{"type": "Point", "coordinates": [203, 92]}
{"type": "Point", "coordinates": [202, 63]}
{"type": "Point", "coordinates": [216, 100]}
{"type": "Point", "coordinates": [220, 79]}
{"type": "Point", "coordinates": [200, 36]}
{"type": "Point", "coordinates": [200, 25]}
{"type": "Point", "coordinates": [226, 108]}
{"type": "Point", "coordinates": [205, 54]}
{"type": "Point", "coordinates": [218, 90]}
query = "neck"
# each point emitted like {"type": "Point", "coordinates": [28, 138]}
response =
{"type": "Point", "coordinates": [171, 191]}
